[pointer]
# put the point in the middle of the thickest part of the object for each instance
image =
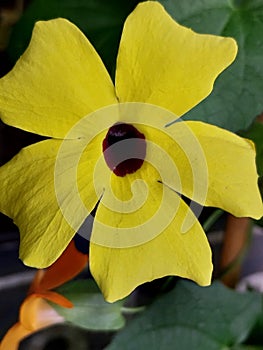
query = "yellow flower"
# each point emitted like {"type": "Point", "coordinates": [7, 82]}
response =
{"type": "Point", "coordinates": [142, 229]}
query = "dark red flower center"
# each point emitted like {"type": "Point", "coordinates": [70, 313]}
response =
{"type": "Point", "coordinates": [124, 149]}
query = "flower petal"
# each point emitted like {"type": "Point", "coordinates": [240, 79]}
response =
{"type": "Point", "coordinates": [55, 298]}
{"type": "Point", "coordinates": [122, 264]}
{"type": "Point", "coordinates": [36, 191]}
{"type": "Point", "coordinates": [164, 63]}
{"type": "Point", "coordinates": [36, 313]}
{"type": "Point", "coordinates": [13, 337]}
{"type": "Point", "coordinates": [130, 204]}
{"type": "Point", "coordinates": [231, 168]}
{"type": "Point", "coordinates": [70, 263]}
{"type": "Point", "coordinates": [179, 159]}
{"type": "Point", "coordinates": [57, 81]}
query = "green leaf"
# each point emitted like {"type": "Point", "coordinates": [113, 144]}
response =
{"type": "Point", "coordinates": [247, 347]}
{"type": "Point", "coordinates": [192, 317]}
{"type": "Point", "coordinates": [237, 96]}
{"type": "Point", "coordinates": [101, 21]}
{"type": "Point", "coordinates": [90, 310]}
{"type": "Point", "coordinates": [256, 335]}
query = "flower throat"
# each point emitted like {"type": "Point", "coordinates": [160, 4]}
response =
{"type": "Point", "coordinates": [124, 149]}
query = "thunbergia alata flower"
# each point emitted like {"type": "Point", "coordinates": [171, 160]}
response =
{"type": "Point", "coordinates": [115, 147]}
{"type": "Point", "coordinates": [35, 313]}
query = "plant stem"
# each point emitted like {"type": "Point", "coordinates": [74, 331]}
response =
{"type": "Point", "coordinates": [132, 310]}
{"type": "Point", "coordinates": [212, 219]}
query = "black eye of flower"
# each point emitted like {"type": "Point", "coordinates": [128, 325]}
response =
{"type": "Point", "coordinates": [124, 149]}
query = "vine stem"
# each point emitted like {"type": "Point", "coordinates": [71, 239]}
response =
{"type": "Point", "coordinates": [212, 219]}
{"type": "Point", "coordinates": [132, 310]}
